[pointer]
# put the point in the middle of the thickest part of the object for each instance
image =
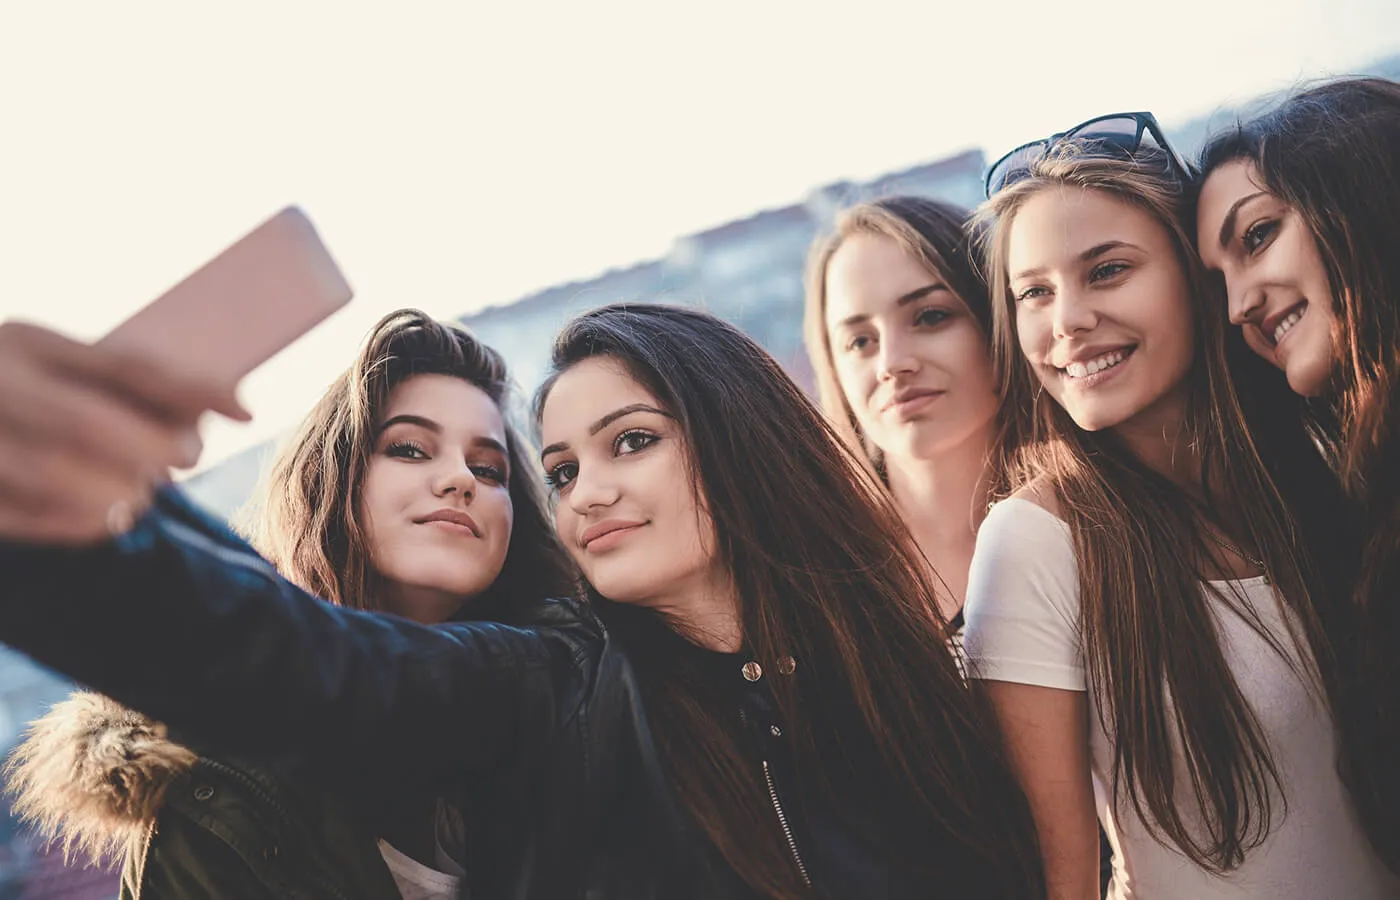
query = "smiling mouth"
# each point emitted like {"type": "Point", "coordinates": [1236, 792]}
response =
{"type": "Point", "coordinates": [1080, 370]}
{"type": "Point", "coordinates": [1293, 317]}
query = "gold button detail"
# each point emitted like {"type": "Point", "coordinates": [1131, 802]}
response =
{"type": "Point", "coordinates": [752, 671]}
{"type": "Point", "coordinates": [787, 665]}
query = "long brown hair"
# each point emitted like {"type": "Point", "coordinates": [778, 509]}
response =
{"type": "Point", "coordinates": [1146, 629]}
{"type": "Point", "coordinates": [933, 232]}
{"type": "Point", "coordinates": [1329, 152]}
{"type": "Point", "coordinates": [825, 574]}
{"type": "Point", "coordinates": [307, 522]}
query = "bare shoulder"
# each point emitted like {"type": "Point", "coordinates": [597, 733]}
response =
{"type": "Point", "coordinates": [1042, 493]}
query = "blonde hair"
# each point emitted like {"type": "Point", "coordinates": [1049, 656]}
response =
{"type": "Point", "coordinates": [933, 233]}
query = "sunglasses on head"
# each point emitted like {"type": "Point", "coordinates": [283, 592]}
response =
{"type": "Point", "coordinates": [1119, 134]}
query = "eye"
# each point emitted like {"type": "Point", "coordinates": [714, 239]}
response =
{"type": "Point", "coordinates": [857, 343]}
{"type": "Point", "coordinates": [406, 450]}
{"type": "Point", "coordinates": [1035, 292]}
{"type": "Point", "coordinates": [931, 316]}
{"type": "Point", "coordinates": [489, 473]}
{"type": "Point", "coordinates": [634, 441]}
{"type": "Point", "coordinates": [1105, 271]}
{"type": "Point", "coordinates": [1258, 234]}
{"type": "Point", "coordinates": [561, 476]}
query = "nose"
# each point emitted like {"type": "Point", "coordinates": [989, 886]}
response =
{"type": "Point", "coordinates": [592, 489]}
{"type": "Point", "coordinates": [896, 357]}
{"type": "Point", "coordinates": [1073, 313]}
{"type": "Point", "coordinates": [1246, 303]}
{"type": "Point", "coordinates": [455, 479]}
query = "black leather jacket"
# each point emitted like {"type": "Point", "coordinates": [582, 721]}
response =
{"type": "Point", "coordinates": [537, 725]}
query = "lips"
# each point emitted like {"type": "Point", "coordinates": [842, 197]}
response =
{"type": "Point", "coordinates": [605, 528]}
{"type": "Point", "coordinates": [1275, 327]}
{"type": "Point", "coordinates": [455, 517]}
{"type": "Point", "coordinates": [908, 396]}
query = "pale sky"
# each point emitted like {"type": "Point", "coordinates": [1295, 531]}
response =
{"type": "Point", "coordinates": [458, 155]}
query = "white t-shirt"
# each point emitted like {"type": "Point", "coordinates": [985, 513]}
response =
{"type": "Point", "coordinates": [1023, 627]}
{"type": "Point", "coordinates": [419, 882]}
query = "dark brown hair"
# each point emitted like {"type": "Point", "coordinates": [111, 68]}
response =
{"type": "Point", "coordinates": [824, 572]}
{"type": "Point", "coordinates": [1141, 544]}
{"type": "Point", "coordinates": [933, 232]}
{"type": "Point", "coordinates": [1332, 153]}
{"type": "Point", "coordinates": [307, 523]}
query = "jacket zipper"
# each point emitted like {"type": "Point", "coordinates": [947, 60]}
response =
{"type": "Point", "coordinates": [276, 807]}
{"type": "Point", "coordinates": [782, 820]}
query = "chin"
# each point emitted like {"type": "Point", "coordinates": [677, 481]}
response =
{"type": "Point", "coordinates": [1094, 419]}
{"type": "Point", "coordinates": [626, 588]}
{"type": "Point", "coordinates": [1309, 379]}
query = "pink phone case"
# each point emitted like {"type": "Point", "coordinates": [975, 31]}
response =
{"type": "Point", "coordinates": [243, 306]}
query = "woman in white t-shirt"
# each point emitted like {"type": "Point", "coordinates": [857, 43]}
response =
{"type": "Point", "coordinates": [1149, 611]}
{"type": "Point", "coordinates": [898, 329]}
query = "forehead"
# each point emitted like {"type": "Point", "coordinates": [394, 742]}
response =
{"type": "Point", "coordinates": [869, 271]}
{"type": "Point", "coordinates": [457, 405]}
{"type": "Point", "coordinates": [1057, 224]}
{"type": "Point", "coordinates": [1225, 186]}
{"type": "Point", "coordinates": [586, 392]}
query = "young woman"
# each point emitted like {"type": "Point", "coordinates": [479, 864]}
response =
{"type": "Point", "coordinates": [768, 712]}
{"type": "Point", "coordinates": [406, 490]}
{"type": "Point", "coordinates": [1147, 611]}
{"type": "Point", "coordinates": [898, 328]}
{"type": "Point", "coordinates": [1300, 210]}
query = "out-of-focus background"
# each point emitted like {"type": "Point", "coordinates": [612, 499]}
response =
{"type": "Point", "coordinates": [512, 167]}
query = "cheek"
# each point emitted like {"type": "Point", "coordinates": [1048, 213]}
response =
{"type": "Point", "coordinates": [1032, 330]}
{"type": "Point", "coordinates": [855, 378]}
{"type": "Point", "coordinates": [970, 360]}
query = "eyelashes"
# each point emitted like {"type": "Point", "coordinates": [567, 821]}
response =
{"type": "Point", "coordinates": [412, 450]}
{"type": "Point", "coordinates": [626, 443]}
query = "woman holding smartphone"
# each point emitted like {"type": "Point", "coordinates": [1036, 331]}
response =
{"type": "Point", "coordinates": [407, 491]}
{"type": "Point", "coordinates": [761, 705]}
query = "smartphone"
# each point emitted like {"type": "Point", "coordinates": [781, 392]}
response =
{"type": "Point", "coordinates": [243, 306]}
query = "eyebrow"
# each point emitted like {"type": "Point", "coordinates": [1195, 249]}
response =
{"type": "Point", "coordinates": [901, 301]}
{"type": "Point", "coordinates": [1092, 253]}
{"type": "Point", "coordinates": [427, 424]}
{"type": "Point", "coordinates": [1227, 227]}
{"type": "Point", "coordinates": [605, 421]}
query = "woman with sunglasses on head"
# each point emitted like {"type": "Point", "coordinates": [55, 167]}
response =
{"type": "Point", "coordinates": [766, 709]}
{"type": "Point", "coordinates": [1299, 210]}
{"type": "Point", "coordinates": [1148, 611]}
{"type": "Point", "coordinates": [406, 490]}
{"type": "Point", "coordinates": [898, 326]}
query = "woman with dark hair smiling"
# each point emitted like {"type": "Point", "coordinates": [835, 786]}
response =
{"type": "Point", "coordinates": [1299, 210]}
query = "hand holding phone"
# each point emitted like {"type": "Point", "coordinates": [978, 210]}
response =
{"type": "Point", "coordinates": [88, 431]}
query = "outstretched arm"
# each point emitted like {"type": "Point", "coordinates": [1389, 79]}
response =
{"type": "Point", "coordinates": [184, 622]}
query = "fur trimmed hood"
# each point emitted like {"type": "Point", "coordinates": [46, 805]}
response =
{"type": "Point", "coordinates": [91, 775]}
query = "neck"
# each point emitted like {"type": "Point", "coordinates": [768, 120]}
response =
{"type": "Point", "coordinates": [425, 606]}
{"type": "Point", "coordinates": [1162, 444]}
{"type": "Point", "coordinates": [943, 500]}
{"type": "Point", "coordinates": [707, 615]}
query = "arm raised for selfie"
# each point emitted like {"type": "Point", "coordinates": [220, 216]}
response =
{"type": "Point", "coordinates": [183, 621]}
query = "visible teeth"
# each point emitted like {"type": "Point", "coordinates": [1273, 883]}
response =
{"type": "Point", "coordinates": [1107, 361]}
{"type": "Point", "coordinates": [1287, 324]}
